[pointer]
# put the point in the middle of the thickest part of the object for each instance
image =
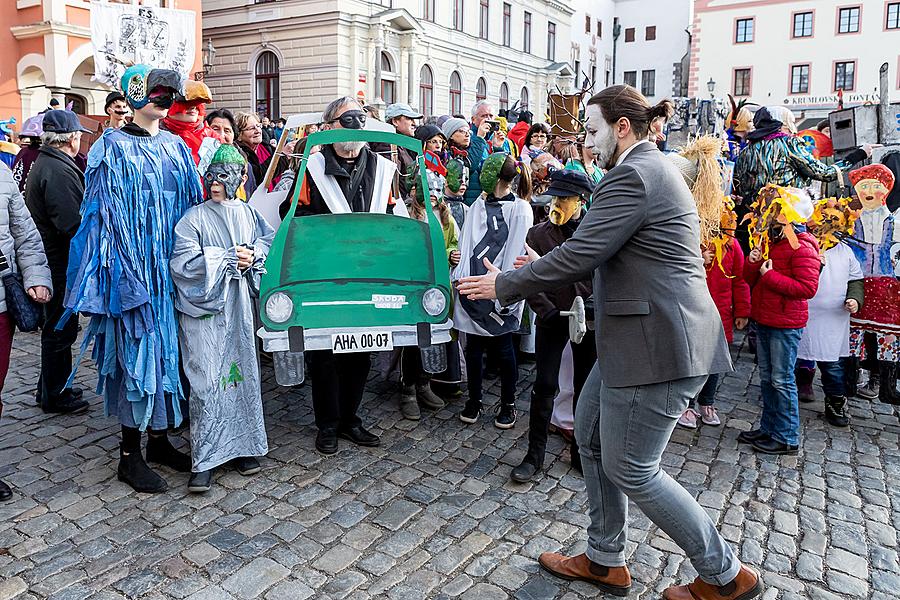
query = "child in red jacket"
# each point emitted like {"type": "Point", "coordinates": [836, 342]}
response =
{"type": "Point", "coordinates": [781, 287]}
{"type": "Point", "coordinates": [725, 280]}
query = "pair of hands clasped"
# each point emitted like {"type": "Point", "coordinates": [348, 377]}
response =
{"type": "Point", "coordinates": [245, 257]}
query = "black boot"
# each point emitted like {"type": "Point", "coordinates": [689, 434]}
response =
{"type": "Point", "coordinates": [135, 472]}
{"type": "Point", "coordinates": [575, 457]}
{"type": "Point", "coordinates": [5, 492]}
{"type": "Point", "coordinates": [836, 411]}
{"type": "Point", "coordinates": [161, 451]}
{"type": "Point", "coordinates": [887, 393]}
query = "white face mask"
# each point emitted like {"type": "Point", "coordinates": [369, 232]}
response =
{"type": "Point", "coordinates": [600, 136]}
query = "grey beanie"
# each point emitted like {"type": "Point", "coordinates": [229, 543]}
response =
{"type": "Point", "coordinates": [452, 125]}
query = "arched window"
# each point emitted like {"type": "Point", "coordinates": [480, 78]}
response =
{"type": "Point", "coordinates": [388, 79]}
{"type": "Point", "coordinates": [455, 93]}
{"type": "Point", "coordinates": [523, 98]}
{"type": "Point", "coordinates": [504, 96]}
{"type": "Point", "coordinates": [481, 90]}
{"type": "Point", "coordinates": [426, 91]}
{"type": "Point", "coordinates": [79, 104]}
{"type": "Point", "coordinates": [267, 86]}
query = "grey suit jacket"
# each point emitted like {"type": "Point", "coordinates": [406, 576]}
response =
{"type": "Point", "coordinates": [655, 319]}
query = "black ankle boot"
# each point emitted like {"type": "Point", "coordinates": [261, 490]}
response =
{"type": "Point", "coordinates": [135, 472]}
{"type": "Point", "coordinates": [887, 393]}
{"type": "Point", "coordinates": [161, 451]}
{"type": "Point", "coordinates": [5, 492]}
{"type": "Point", "coordinates": [836, 411]}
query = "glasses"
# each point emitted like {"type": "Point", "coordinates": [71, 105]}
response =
{"type": "Point", "coordinates": [352, 119]}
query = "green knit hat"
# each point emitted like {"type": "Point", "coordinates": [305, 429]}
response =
{"type": "Point", "coordinates": [228, 154]}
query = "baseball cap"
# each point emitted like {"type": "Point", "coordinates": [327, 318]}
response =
{"type": "Point", "coordinates": [62, 121]}
{"type": "Point", "coordinates": [400, 110]}
{"type": "Point", "coordinates": [565, 183]}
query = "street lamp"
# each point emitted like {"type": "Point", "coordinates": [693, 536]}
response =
{"type": "Point", "coordinates": [711, 86]}
{"type": "Point", "coordinates": [209, 59]}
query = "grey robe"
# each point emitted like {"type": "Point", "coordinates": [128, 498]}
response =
{"type": "Point", "coordinates": [218, 344]}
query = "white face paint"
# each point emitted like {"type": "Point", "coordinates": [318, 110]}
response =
{"type": "Point", "coordinates": [600, 136]}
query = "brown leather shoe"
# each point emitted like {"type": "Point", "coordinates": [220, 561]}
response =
{"type": "Point", "coordinates": [612, 580]}
{"type": "Point", "coordinates": [745, 586]}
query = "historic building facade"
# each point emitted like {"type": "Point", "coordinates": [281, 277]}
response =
{"type": "Point", "coordinates": [279, 57]}
{"type": "Point", "coordinates": [798, 53]}
{"type": "Point", "coordinates": [46, 51]}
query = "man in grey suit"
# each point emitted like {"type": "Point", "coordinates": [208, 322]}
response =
{"type": "Point", "coordinates": [658, 337]}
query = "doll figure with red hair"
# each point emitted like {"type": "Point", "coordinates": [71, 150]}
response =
{"type": "Point", "coordinates": [875, 329]}
{"type": "Point", "coordinates": [186, 116]}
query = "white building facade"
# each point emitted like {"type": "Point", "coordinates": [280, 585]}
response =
{"type": "Point", "coordinates": [281, 57]}
{"type": "Point", "coordinates": [591, 42]}
{"type": "Point", "coordinates": [650, 42]}
{"type": "Point", "coordinates": [798, 53]}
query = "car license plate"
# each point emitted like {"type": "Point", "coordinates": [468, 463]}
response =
{"type": "Point", "coordinates": [366, 341]}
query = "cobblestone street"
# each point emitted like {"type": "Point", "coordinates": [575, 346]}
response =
{"type": "Point", "coordinates": [429, 514]}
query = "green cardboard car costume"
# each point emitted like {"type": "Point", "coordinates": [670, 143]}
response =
{"type": "Point", "coordinates": [354, 282]}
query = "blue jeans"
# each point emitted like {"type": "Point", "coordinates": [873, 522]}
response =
{"type": "Point", "coordinates": [707, 396]}
{"type": "Point", "coordinates": [776, 353]}
{"type": "Point", "coordinates": [622, 433]}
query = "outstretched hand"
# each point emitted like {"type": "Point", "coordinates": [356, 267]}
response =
{"type": "Point", "coordinates": [530, 256]}
{"type": "Point", "coordinates": [480, 287]}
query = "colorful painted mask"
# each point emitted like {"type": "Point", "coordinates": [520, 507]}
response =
{"type": "Point", "coordinates": [227, 169]}
{"type": "Point", "coordinates": [563, 209]}
{"type": "Point", "coordinates": [142, 84]}
{"type": "Point", "coordinates": [872, 183]}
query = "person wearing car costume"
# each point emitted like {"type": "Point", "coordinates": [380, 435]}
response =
{"type": "Point", "coordinates": [220, 248]}
{"type": "Point", "coordinates": [344, 177]}
{"type": "Point", "coordinates": [570, 191]}
{"type": "Point", "coordinates": [139, 182]}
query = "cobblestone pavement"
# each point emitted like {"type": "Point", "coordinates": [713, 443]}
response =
{"type": "Point", "coordinates": [429, 514]}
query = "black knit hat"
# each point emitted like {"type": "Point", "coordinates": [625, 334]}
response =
{"type": "Point", "coordinates": [426, 132]}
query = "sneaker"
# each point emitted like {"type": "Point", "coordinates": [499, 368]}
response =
{"type": "Point", "coordinates": [836, 411]}
{"type": "Point", "coordinates": [869, 391]}
{"type": "Point", "coordinates": [688, 419]}
{"type": "Point", "coordinates": [201, 482]}
{"type": "Point", "coordinates": [506, 416]}
{"type": "Point", "coordinates": [471, 412]}
{"type": "Point", "coordinates": [709, 416]}
{"type": "Point", "coordinates": [247, 465]}
{"type": "Point", "coordinates": [428, 398]}
{"type": "Point", "coordinates": [409, 404]}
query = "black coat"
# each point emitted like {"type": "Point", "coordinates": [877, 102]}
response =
{"type": "Point", "coordinates": [53, 193]}
{"type": "Point", "coordinates": [542, 238]}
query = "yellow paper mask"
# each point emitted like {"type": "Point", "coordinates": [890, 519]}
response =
{"type": "Point", "coordinates": [563, 209]}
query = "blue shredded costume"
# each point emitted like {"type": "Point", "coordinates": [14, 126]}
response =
{"type": "Point", "coordinates": [136, 190]}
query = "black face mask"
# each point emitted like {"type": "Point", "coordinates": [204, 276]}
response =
{"type": "Point", "coordinates": [163, 100]}
{"type": "Point", "coordinates": [352, 119]}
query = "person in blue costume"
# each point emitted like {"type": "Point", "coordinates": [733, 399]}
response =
{"type": "Point", "coordinates": [138, 184]}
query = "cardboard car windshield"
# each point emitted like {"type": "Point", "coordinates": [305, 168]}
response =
{"type": "Point", "coordinates": [353, 282]}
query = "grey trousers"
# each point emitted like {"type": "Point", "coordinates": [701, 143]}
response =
{"type": "Point", "coordinates": [622, 433]}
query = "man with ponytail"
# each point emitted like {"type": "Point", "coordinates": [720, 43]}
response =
{"type": "Point", "coordinates": [658, 338]}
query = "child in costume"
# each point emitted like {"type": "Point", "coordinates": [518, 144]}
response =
{"type": "Point", "coordinates": [570, 191]}
{"type": "Point", "coordinates": [723, 258]}
{"type": "Point", "coordinates": [138, 184]}
{"type": "Point", "coordinates": [783, 273]}
{"type": "Point", "coordinates": [826, 339]}
{"type": "Point", "coordinates": [220, 248]}
{"type": "Point", "coordinates": [415, 380]}
{"type": "Point", "coordinates": [495, 231]}
{"type": "Point", "coordinates": [875, 329]}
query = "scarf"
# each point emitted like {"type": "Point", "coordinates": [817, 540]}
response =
{"type": "Point", "coordinates": [764, 125]}
{"type": "Point", "coordinates": [193, 134]}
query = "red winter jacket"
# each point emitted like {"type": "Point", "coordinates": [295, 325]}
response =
{"type": "Point", "coordinates": [779, 298]}
{"type": "Point", "coordinates": [518, 132]}
{"type": "Point", "coordinates": [728, 289]}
